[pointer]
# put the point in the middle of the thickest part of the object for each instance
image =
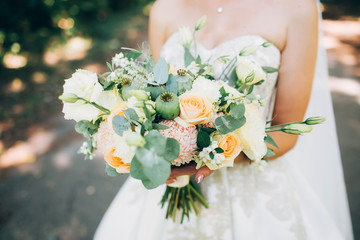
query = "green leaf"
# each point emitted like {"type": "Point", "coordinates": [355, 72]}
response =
{"type": "Point", "coordinates": [207, 130]}
{"type": "Point", "coordinates": [154, 92]}
{"type": "Point", "coordinates": [232, 78]}
{"type": "Point", "coordinates": [109, 86]}
{"type": "Point", "coordinates": [251, 89]}
{"type": "Point", "coordinates": [269, 153]}
{"type": "Point", "coordinates": [171, 150]}
{"type": "Point", "coordinates": [268, 69]}
{"type": "Point", "coordinates": [198, 60]}
{"type": "Point", "coordinates": [188, 57]}
{"type": "Point", "coordinates": [223, 92]}
{"type": "Point", "coordinates": [161, 71]}
{"type": "Point", "coordinates": [109, 66]}
{"type": "Point", "coordinates": [136, 169]}
{"type": "Point", "coordinates": [158, 126]}
{"type": "Point", "coordinates": [211, 154]}
{"type": "Point", "coordinates": [267, 44]}
{"type": "Point", "coordinates": [248, 50]}
{"type": "Point", "coordinates": [203, 139]}
{"type": "Point", "coordinates": [110, 171]}
{"type": "Point", "coordinates": [259, 82]}
{"type": "Point", "coordinates": [147, 113]}
{"type": "Point", "coordinates": [227, 124]}
{"type": "Point", "coordinates": [131, 114]}
{"type": "Point", "coordinates": [219, 150]}
{"type": "Point", "coordinates": [134, 54]}
{"type": "Point", "coordinates": [237, 111]}
{"type": "Point", "coordinates": [148, 125]}
{"type": "Point", "coordinates": [120, 124]}
{"type": "Point", "coordinates": [171, 84]}
{"type": "Point", "coordinates": [268, 139]}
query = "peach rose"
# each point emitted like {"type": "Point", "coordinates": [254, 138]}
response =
{"type": "Point", "coordinates": [118, 111]}
{"type": "Point", "coordinates": [116, 162]}
{"type": "Point", "coordinates": [195, 109]}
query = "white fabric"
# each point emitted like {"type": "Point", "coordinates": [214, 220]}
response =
{"type": "Point", "coordinates": [301, 196]}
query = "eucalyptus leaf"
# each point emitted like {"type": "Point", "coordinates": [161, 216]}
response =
{"type": "Point", "coordinates": [227, 124]}
{"type": "Point", "coordinates": [158, 126]}
{"type": "Point", "coordinates": [171, 84]}
{"type": "Point", "coordinates": [134, 54]}
{"type": "Point", "coordinates": [120, 124]}
{"type": "Point", "coordinates": [251, 89]}
{"type": "Point", "coordinates": [109, 66]}
{"type": "Point", "coordinates": [154, 92]}
{"type": "Point", "coordinates": [131, 114]}
{"type": "Point", "coordinates": [237, 111]}
{"type": "Point", "coordinates": [171, 150]}
{"type": "Point", "coordinates": [161, 71]}
{"type": "Point", "coordinates": [110, 171]}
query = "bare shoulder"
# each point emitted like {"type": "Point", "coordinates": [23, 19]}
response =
{"type": "Point", "coordinates": [165, 9]}
{"type": "Point", "coordinates": [301, 11]}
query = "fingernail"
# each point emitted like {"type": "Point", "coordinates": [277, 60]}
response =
{"type": "Point", "coordinates": [200, 178]}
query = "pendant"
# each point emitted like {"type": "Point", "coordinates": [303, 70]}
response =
{"type": "Point", "coordinates": [220, 10]}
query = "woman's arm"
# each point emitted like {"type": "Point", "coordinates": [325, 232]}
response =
{"type": "Point", "coordinates": [296, 72]}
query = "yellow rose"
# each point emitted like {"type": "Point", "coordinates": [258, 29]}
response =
{"type": "Point", "coordinates": [195, 109]}
{"type": "Point", "coordinates": [116, 162]}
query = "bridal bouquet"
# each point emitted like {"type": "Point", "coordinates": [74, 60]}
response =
{"type": "Point", "coordinates": [147, 118]}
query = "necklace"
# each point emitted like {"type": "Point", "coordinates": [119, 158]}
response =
{"type": "Point", "coordinates": [219, 10]}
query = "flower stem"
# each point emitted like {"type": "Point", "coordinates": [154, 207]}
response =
{"type": "Point", "coordinates": [105, 110]}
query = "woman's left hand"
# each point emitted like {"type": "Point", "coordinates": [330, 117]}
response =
{"type": "Point", "coordinates": [190, 169]}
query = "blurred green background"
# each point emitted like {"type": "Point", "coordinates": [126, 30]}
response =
{"type": "Point", "coordinates": [45, 188]}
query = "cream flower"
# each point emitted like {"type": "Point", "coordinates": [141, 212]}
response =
{"type": "Point", "coordinates": [207, 87]}
{"type": "Point", "coordinates": [84, 84]}
{"type": "Point", "coordinates": [245, 67]}
{"type": "Point", "coordinates": [252, 134]}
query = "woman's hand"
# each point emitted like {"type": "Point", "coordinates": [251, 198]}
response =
{"type": "Point", "coordinates": [200, 174]}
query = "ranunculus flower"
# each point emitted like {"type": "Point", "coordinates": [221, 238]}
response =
{"type": "Point", "coordinates": [185, 37]}
{"type": "Point", "coordinates": [83, 84]}
{"type": "Point", "coordinates": [231, 145]}
{"type": "Point", "coordinates": [245, 67]}
{"type": "Point", "coordinates": [195, 108]}
{"type": "Point", "coordinates": [252, 134]}
{"type": "Point", "coordinates": [116, 162]}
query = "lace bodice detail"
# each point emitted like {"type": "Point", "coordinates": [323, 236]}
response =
{"type": "Point", "coordinates": [173, 52]}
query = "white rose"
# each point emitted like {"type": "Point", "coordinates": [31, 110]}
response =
{"type": "Point", "coordinates": [107, 99]}
{"type": "Point", "coordinates": [207, 87]}
{"type": "Point", "coordinates": [246, 66]}
{"type": "Point", "coordinates": [82, 83]}
{"type": "Point", "coordinates": [252, 134]}
{"type": "Point", "coordinates": [185, 37]}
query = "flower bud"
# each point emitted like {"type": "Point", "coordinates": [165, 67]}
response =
{"type": "Point", "coordinates": [248, 71]}
{"type": "Point", "coordinates": [185, 37]}
{"type": "Point", "coordinates": [200, 23]}
{"type": "Point", "coordinates": [314, 120]}
{"type": "Point", "coordinates": [134, 139]}
{"type": "Point", "coordinates": [297, 128]}
{"type": "Point", "coordinates": [141, 95]}
{"type": "Point", "coordinates": [69, 97]}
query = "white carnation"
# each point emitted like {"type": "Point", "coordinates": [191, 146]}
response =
{"type": "Point", "coordinates": [208, 88]}
{"type": "Point", "coordinates": [82, 83]}
{"type": "Point", "coordinates": [252, 134]}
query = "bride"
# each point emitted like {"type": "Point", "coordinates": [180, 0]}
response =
{"type": "Point", "coordinates": [301, 193]}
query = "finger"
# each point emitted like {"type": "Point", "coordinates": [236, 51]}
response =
{"type": "Point", "coordinates": [203, 173]}
{"type": "Point", "coordinates": [184, 170]}
{"type": "Point", "coordinates": [170, 180]}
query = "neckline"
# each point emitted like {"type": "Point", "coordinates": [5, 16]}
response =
{"type": "Point", "coordinates": [225, 42]}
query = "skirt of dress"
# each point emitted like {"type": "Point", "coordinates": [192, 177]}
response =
{"type": "Point", "coordinates": [244, 204]}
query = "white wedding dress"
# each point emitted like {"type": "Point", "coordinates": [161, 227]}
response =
{"type": "Point", "coordinates": [281, 203]}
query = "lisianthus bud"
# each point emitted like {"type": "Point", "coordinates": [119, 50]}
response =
{"type": "Point", "coordinates": [200, 23]}
{"type": "Point", "coordinates": [69, 97]}
{"type": "Point", "coordinates": [141, 95]}
{"type": "Point", "coordinates": [134, 139]}
{"type": "Point", "coordinates": [297, 128]}
{"type": "Point", "coordinates": [185, 37]}
{"type": "Point", "coordinates": [314, 120]}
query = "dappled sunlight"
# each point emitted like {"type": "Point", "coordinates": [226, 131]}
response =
{"type": "Point", "coordinates": [342, 28]}
{"type": "Point", "coordinates": [66, 23]}
{"type": "Point", "coordinates": [12, 60]}
{"type": "Point", "coordinates": [75, 49]}
{"type": "Point", "coordinates": [95, 67]}
{"type": "Point", "coordinates": [27, 151]}
{"type": "Point", "coordinates": [62, 160]}
{"type": "Point", "coordinates": [346, 86]}
{"type": "Point", "coordinates": [15, 86]}
{"type": "Point", "coordinates": [39, 77]}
